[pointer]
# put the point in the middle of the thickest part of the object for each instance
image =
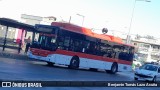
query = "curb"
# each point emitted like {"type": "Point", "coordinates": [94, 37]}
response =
{"type": "Point", "coordinates": [13, 56]}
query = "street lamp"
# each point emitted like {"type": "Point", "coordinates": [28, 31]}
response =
{"type": "Point", "coordinates": [82, 17]}
{"type": "Point", "coordinates": [128, 39]}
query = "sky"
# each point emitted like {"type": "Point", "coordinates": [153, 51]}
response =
{"type": "Point", "coordinates": [112, 14]}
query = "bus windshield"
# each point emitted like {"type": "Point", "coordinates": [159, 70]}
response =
{"type": "Point", "coordinates": [45, 41]}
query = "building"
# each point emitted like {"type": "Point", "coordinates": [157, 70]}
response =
{"type": "Point", "coordinates": [148, 49]}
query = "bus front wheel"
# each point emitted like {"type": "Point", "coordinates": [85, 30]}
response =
{"type": "Point", "coordinates": [74, 63]}
{"type": "Point", "coordinates": [114, 68]}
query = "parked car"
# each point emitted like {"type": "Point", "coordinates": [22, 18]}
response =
{"type": "Point", "coordinates": [149, 72]}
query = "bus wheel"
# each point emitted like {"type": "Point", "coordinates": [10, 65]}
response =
{"type": "Point", "coordinates": [93, 69]}
{"type": "Point", "coordinates": [50, 63]}
{"type": "Point", "coordinates": [74, 63]}
{"type": "Point", "coordinates": [114, 68]}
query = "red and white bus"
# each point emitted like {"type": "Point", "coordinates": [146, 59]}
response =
{"type": "Point", "coordinates": [78, 47]}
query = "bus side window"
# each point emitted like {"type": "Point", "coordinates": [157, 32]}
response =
{"type": "Point", "coordinates": [90, 49]}
{"type": "Point", "coordinates": [74, 44]}
{"type": "Point", "coordinates": [60, 42]}
{"type": "Point", "coordinates": [117, 51]}
{"type": "Point", "coordinates": [43, 41]}
{"type": "Point", "coordinates": [83, 46]}
{"type": "Point", "coordinates": [98, 49]}
{"type": "Point", "coordinates": [131, 54]}
{"type": "Point", "coordinates": [66, 43]}
{"type": "Point", "coordinates": [121, 54]}
{"type": "Point", "coordinates": [126, 54]}
{"type": "Point", "coordinates": [107, 50]}
{"type": "Point", "coordinates": [102, 50]}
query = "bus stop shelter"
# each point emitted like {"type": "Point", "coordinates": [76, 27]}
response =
{"type": "Point", "coordinates": [15, 24]}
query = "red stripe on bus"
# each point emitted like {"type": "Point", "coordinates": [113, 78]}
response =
{"type": "Point", "coordinates": [40, 52]}
{"type": "Point", "coordinates": [82, 55]}
{"type": "Point", "coordinates": [45, 53]}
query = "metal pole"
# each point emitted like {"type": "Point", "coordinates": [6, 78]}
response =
{"type": "Point", "coordinates": [33, 37]}
{"type": "Point", "coordinates": [130, 25]}
{"type": "Point", "coordinates": [4, 45]}
{"type": "Point", "coordinates": [128, 39]}
{"type": "Point", "coordinates": [82, 19]}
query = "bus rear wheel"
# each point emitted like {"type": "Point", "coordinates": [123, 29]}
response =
{"type": "Point", "coordinates": [74, 63]}
{"type": "Point", "coordinates": [114, 68]}
{"type": "Point", "coordinates": [50, 63]}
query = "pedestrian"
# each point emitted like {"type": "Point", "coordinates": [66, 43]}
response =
{"type": "Point", "coordinates": [28, 41]}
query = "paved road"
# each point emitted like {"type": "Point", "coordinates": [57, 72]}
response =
{"type": "Point", "coordinates": [12, 69]}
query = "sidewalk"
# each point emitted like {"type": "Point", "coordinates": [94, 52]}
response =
{"type": "Point", "coordinates": [13, 53]}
